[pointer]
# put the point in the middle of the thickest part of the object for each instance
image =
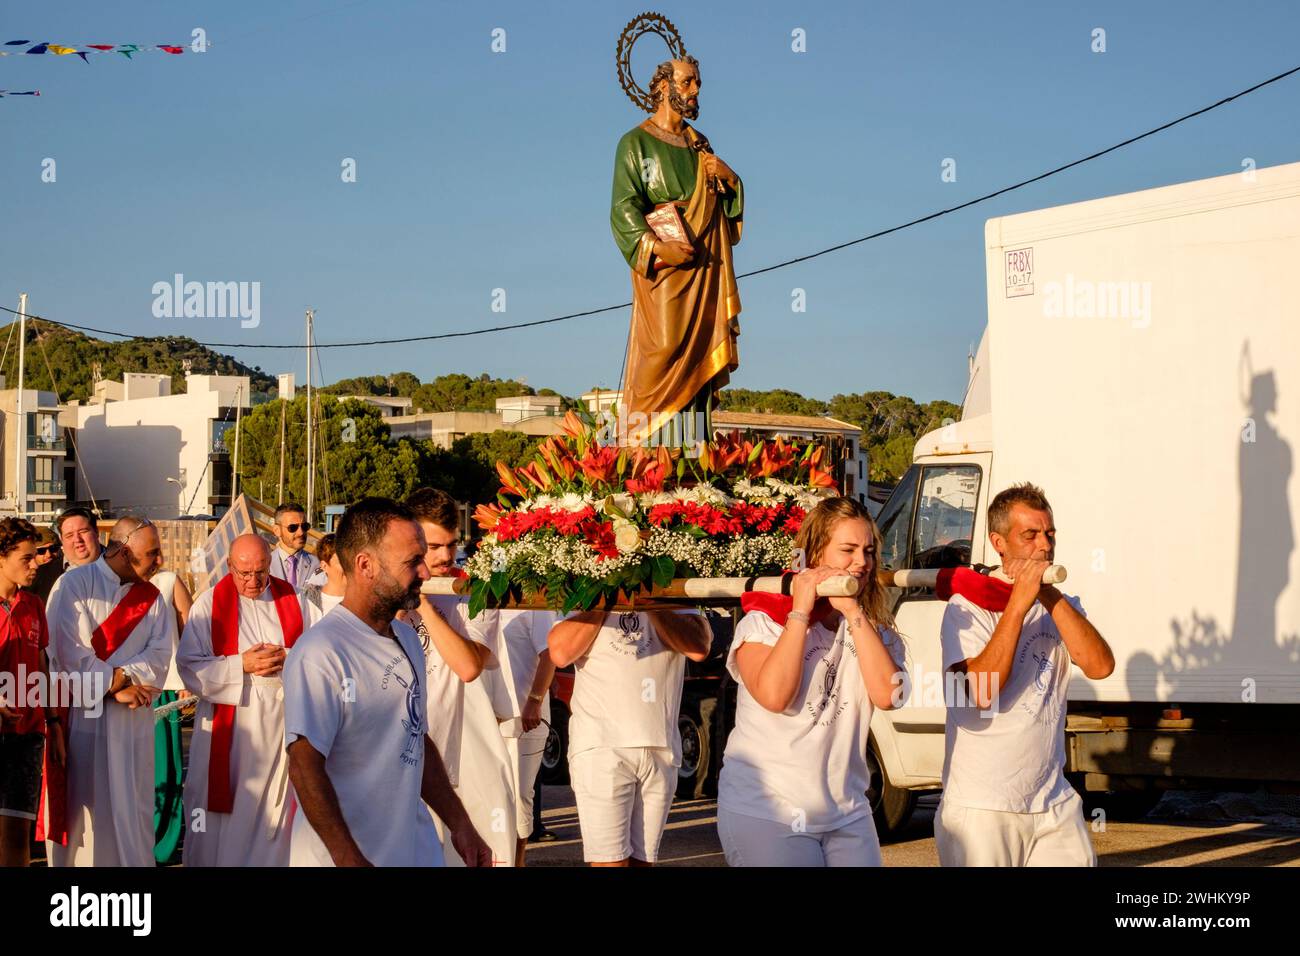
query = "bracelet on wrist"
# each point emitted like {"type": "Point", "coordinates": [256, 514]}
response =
{"type": "Point", "coordinates": [799, 616]}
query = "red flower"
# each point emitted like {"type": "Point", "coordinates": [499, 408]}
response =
{"type": "Point", "coordinates": [652, 479]}
{"type": "Point", "coordinates": [600, 536]}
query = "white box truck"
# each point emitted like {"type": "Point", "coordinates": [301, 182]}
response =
{"type": "Point", "coordinates": [1141, 363]}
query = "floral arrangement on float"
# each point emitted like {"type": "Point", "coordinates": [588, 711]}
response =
{"type": "Point", "coordinates": [586, 520]}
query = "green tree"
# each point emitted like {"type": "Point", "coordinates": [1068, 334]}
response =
{"type": "Point", "coordinates": [354, 457]}
{"type": "Point", "coordinates": [457, 392]}
{"type": "Point", "coordinates": [72, 357]}
{"type": "Point", "coordinates": [777, 401]}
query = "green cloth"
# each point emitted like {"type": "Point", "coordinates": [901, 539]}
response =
{"type": "Point", "coordinates": [669, 176]}
{"type": "Point", "coordinates": [168, 814]}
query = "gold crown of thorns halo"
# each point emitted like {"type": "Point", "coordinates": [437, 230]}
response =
{"type": "Point", "coordinates": [636, 28]}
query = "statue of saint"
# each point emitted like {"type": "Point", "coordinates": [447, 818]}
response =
{"type": "Point", "coordinates": [682, 346]}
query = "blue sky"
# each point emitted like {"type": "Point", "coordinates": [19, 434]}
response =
{"type": "Point", "coordinates": [479, 170]}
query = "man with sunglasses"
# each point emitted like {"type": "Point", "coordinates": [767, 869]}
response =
{"type": "Point", "coordinates": [232, 655]}
{"type": "Point", "coordinates": [49, 563]}
{"type": "Point", "coordinates": [113, 635]}
{"type": "Point", "coordinates": [290, 561]}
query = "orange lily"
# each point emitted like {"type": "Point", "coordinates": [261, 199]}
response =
{"type": "Point", "coordinates": [488, 516]}
{"type": "Point", "coordinates": [510, 480]}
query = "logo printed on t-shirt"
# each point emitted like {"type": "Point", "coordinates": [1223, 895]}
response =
{"type": "Point", "coordinates": [827, 706]}
{"type": "Point", "coordinates": [631, 639]}
{"type": "Point", "coordinates": [414, 722]}
{"type": "Point", "coordinates": [1038, 657]}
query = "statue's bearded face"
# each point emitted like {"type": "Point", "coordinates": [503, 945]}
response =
{"type": "Point", "coordinates": [684, 89]}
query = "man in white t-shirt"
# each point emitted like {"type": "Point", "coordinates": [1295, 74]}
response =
{"type": "Point", "coordinates": [360, 757]}
{"type": "Point", "coordinates": [519, 691]}
{"type": "Point", "coordinates": [624, 744]}
{"type": "Point", "coordinates": [462, 721]}
{"type": "Point", "coordinates": [1006, 801]}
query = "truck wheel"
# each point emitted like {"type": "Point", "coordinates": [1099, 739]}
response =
{"type": "Point", "coordinates": [890, 806]}
{"type": "Point", "coordinates": [555, 757]}
{"type": "Point", "coordinates": [694, 771]}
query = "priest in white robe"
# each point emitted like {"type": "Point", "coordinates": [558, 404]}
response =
{"type": "Point", "coordinates": [113, 637]}
{"type": "Point", "coordinates": [232, 655]}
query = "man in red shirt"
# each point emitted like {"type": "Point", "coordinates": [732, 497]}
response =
{"type": "Point", "coordinates": [23, 719]}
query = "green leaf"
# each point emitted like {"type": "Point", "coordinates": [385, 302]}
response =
{"type": "Point", "coordinates": [755, 452]}
{"type": "Point", "coordinates": [500, 584]}
{"type": "Point", "coordinates": [681, 467]}
{"type": "Point", "coordinates": [663, 570]}
{"type": "Point", "coordinates": [477, 597]}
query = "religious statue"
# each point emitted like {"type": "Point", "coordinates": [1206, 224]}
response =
{"type": "Point", "coordinates": [675, 213]}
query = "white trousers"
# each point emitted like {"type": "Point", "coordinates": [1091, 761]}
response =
{"type": "Point", "coordinates": [525, 761]}
{"type": "Point", "coordinates": [751, 841]}
{"type": "Point", "coordinates": [1058, 836]}
{"type": "Point", "coordinates": [623, 796]}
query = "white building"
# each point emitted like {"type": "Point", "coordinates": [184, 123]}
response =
{"type": "Point", "coordinates": [530, 414]}
{"type": "Point", "coordinates": [44, 458]}
{"type": "Point", "coordinates": [158, 454]}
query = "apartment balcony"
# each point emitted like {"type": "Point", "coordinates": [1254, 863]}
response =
{"type": "Point", "coordinates": [46, 489]}
{"type": "Point", "coordinates": [37, 443]}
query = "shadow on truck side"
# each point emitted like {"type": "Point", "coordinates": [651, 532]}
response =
{"type": "Point", "coordinates": [1234, 745]}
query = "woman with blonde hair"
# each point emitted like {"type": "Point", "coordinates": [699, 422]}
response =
{"type": "Point", "coordinates": [793, 786]}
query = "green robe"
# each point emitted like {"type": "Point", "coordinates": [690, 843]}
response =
{"type": "Point", "coordinates": [671, 178]}
{"type": "Point", "coordinates": [647, 172]}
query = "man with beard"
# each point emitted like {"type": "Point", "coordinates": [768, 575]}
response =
{"type": "Point", "coordinates": [360, 757]}
{"type": "Point", "coordinates": [462, 716]}
{"type": "Point", "coordinates": [685, 302]}
{"type": "Point", "coordinates": [291, 561]}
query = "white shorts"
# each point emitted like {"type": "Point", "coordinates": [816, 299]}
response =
{"type": "Point", "coordinates": [1058, 836]}
{"type": "Point", "coordinates": [525, 761]}
{"type": "Point", "coordinates": [752, 841]}
{"type": "Point", "coordinates": [623, 795]}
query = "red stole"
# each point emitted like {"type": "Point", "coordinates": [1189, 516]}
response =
{"type": "Point", "coordinates": [225, 643]}
{"type": "Point", "coordinates": [107, 638]}
{"type": "Point", "coordinates": [121, 622]}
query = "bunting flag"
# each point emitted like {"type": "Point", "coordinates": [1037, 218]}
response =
{"type": "Point", "coordinates": [4, 93]}
{"type": "Point", "coordinates": [84, 50]}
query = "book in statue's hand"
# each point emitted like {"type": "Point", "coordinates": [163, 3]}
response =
{"type": "Point", "coordinates": [666, 223]}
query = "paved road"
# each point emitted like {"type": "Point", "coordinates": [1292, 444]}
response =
{"type": "Point", "coordinates": [1177, 833]}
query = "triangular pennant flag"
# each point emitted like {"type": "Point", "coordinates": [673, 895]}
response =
{"type": "Point", "coordinates": [82, 54]}
{"type": "Point", "coordinates": [175, 50]}
{"type": "Point", "coordinates": [39, 48]}
{"type": "Point", "coordinates": [61, 50]}
{"type": "Point", "coordinates": [100, 46]}
{"type": "Point", "coordinates": [17, 42]}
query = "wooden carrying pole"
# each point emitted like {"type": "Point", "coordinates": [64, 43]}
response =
{"type": "Point", "coordinates": [725, 592]}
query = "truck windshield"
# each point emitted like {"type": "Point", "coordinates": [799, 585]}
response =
{"type": "Point", "coordinates": [945, 516]}
{"type": "Point", "coordinates": [895, 521]}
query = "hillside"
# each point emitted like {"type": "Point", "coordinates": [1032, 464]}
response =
{"type": "Point", "coordinates": [73, 355]}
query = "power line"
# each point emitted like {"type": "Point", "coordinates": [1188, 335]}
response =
{"type": "Point", "coordinates": [744, 275]}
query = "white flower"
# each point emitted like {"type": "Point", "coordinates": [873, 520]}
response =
{"type": "Point", "coordinates": [625, 503]}
{"type": "Point", "coordinates": [572, 502]}
{"type": "Point", "coordinates": [743, 488]}
{"type": "Point", "coordinates": [541, 501]}
{"type": "Point", "coordinates": [627, 536]}
{"type": "Point", "coordinates": [782, 487]}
